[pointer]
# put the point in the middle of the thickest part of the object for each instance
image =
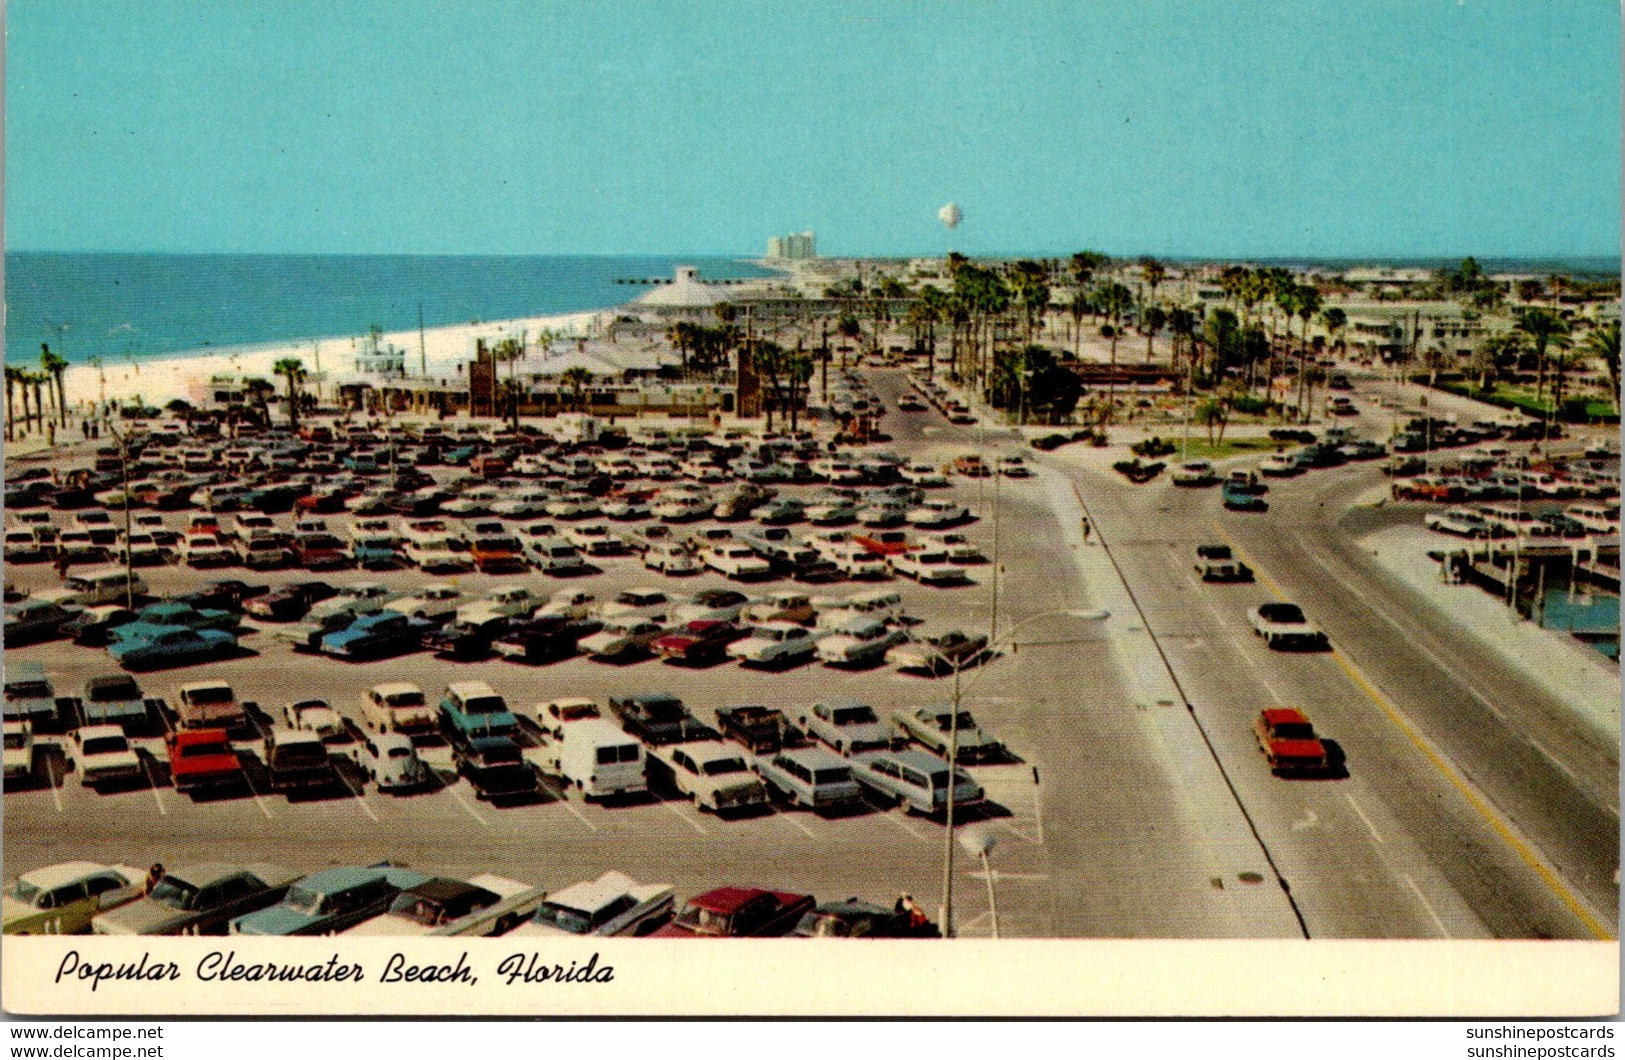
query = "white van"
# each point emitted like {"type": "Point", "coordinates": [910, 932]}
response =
{"type": "Point", "coordinates": [101, 585]}
{"type": "Point", "coordinates": [600, 760]}
{"type": "Point", "coordinates": [881, 603]}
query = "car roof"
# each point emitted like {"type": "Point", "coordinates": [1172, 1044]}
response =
{"type": "Point", "coordinates": [53, 876]}
{"type": "Point", "coordinates": [589, 896]}
{"type": "Point", "coordinates": [1284, 716]}
{"type": "Point", "coordinates": [464, 689]}
{"type": "Point", "coordinates": [211, 872]}
{"type": "Point", "coordinates": [812, 757]}
{"type": "Point", "coordinates": [194, 686]}
{"type": "Point", "coordinates": [395, 688]}
{"type": "Point", "coordinates": [727, 900]}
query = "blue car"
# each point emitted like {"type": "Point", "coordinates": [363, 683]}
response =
{"type": "Point", "coordinates": [377, 634]}
{"type": "Point", "coordinates": [159, 646]}
{"type": "Point", "coordinates": [369, 556]}
{"type": "Point", "coordinates": [178, 613]}
{"type": "Point", "coordinates": [472, 708]}
{"type": "Point", "coordinates": [329, 901]}
{"type": "Point", "coordinates": [1244, 497]}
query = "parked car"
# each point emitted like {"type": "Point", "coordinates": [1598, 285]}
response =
{"type": "Point", "coordinates": [493, 765]}
{"type": "Point", "coordinates": [916, 780]}
{"type": "Point", "coordinates": [377, 635]}
{"type": "Point", "coordinates": [738, 912]}
{"type": "Point", "coordinates": [165, 646]}
{"type": "Point", "coordinates": [103, 756]}
{"type": "Point", "coordinates": [30, 621]}
{"type": "Point", "coordinates": [113, 699]}
{"type": "Point", "coordinates": [390, 761]}
{"type": "Point", "coordinates": [713, 775]}
{"type": "Point", "coordinates": [203, 760]}
{"type": "Point", "coordinates": [700, 641]}
{"type": "Point", "coordinates": [437, 602]}
{"type": "Point", "coordinates": [483, 905]}
{"type": "Point", "coordinates": [473, 708]}
{"type": "Point", "coordinates": [327, 902]}
{"type": "Point", "coordinates": [198, 900]}
{"type": "Point", "coordinates": [857, 919]}
{"type": "Point", "coordinates": [862, 641]}
{"type": "Point", "coordinates": [19, 751]}
{"type": "Point", "coordinates": [658, 718]}
{"type": "Point", "coordinates": [613, 904]}
{"type": "Point", "coordinates": [1284, 626]}
{"type": "Point", "coordinates": [29, 694]}
{"type": "Point", "coordinates": [938, 729]}
{"type": "Point", "coordinates": [625, 637]}
{"type": "Point", "coordinates": [847, 725]}
{"type": "Point", "coordinates": [809, 776]}
{"type": "Point", "coordinates": [552, 716]}
{"type": "Point", "coordinates": [934, 656]}
{"type": "Point", "coordinates": [314, 716]}
{"type": "Point", "coordinates": [466, 640]}
{"type": "Point", "coordinates": [775, 644]}
{"type": "Point", "coordinates": [62, 899]}
{"type": "Point", "coordinates": [297, 760]}
{"type": "Point", "coordinates": [759, 729]}
{"type": "Point", "coordinates": [397, 706]}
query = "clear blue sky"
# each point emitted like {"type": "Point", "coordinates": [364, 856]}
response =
{"type": "Point", "coordinates": [1234, 128]}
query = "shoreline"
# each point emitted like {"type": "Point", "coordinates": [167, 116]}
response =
{"type": "Point", "coordinates": [445, 349]}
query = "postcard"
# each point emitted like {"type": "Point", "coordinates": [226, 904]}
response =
{"type": "Point", "coordinates": [978, 510]}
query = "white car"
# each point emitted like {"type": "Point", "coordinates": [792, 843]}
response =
{"type": "Point", "coordinates": [1459, 521]}
{"type": "Point", "coordinates": [1012, 467]}
{"type": "Point", "coordinates": [555, 714]}
{"type": "Point", "coordinates": [712, 774]}
{"type": "Point", "coordinates": [19, 749]}
{"type": "Point", "coordinates": [524, 505]}
{"type": "Point", "coordinates": [923, 475]}
{"type": "Point", "coordinates": [673, 560]}
{"type": "Point", "coordinates": [511, 601]}
{"type": "Point", "coordinates": [398, 706]}
{"type": "Point", "coordinates": [1194, 473]}
{"type": "Point", "coordinates": [314, 715]}
{"type": "Point", "coordinates": [635, 601]}
{"type": "Point", "coordinates": [578, 604]}
{"type": "Point", "coordinates": [1279, 466]}
{"type": "Point", "coordinates": [832, 512]}
{"type": "Point", "coordinates": [775, 644]}
{"type": "Point", "coordinates": [595, 540]}
{"type": "Point", "coordinates": [486, 904]}
{"type": "Point", "coordinates": [437, 602]}
{"type": "Point", "coordinates": [205, 550]}
{"type": "Point", "coordinates": [1284, 626]}
{"type": "Point", "coordinates": [938, 514]}
{"type": "Point", "coordinates": [929, 567]}
{"type": "Point", "coordinates": [960, 549]}
{"type": "Point", "coordinates": [613, 904]}
{"type": "Point", "coordinates": [536, 537]}
{"type": "Point", "coordinates": [623, 637]}
{"type": "Point", "coordinates": [626, 510]}
{"type": "Point", "coordinates": [142, 550]}
{"type": "Point", "coordinates": [390, 761]}
{"type": "Point", "coordinates": [863, 641]}
{"type": "Point", "coordinates": [683, 507]}
{"type": "Point", "coordinates": [572, 507]}
{"type": "Point", "coordinates": [737, 561]}
{"type": "Point", "coordinates": [847, 725]}
{"type": "Point", "coordinates": [105, 756]}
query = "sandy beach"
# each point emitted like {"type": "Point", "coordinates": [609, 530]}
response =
{"type": "Point", "coordinates": [442, 350]}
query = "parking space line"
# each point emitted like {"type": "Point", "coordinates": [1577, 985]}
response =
{"type": "Point", "coordinates": [808, 832]}
{"type": "Point", "coordinates": [266, 810]}
{"type": "Point", "coordinates": [685, 818]}
{"type": "Point", "coordinates": [55, 796]}
{"type": "Point", "coordinates": [904, 825]}
{"type": "Point", "coordinates": [1443, 931]}
{"type": "Point", "coordinates": [359, 797]}
{"type": "Point", "coordinates": [452, 788]}
{"type": "Point", "coordinates": [152, 783]}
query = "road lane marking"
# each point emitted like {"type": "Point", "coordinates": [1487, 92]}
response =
{"type": "Point", "coordinates": [681, 816]}
{"type": "Point", "coordinates": [1428, 906]}
{"type": "Point", "coordinates": [464, 804]}
{"type": "Point", "coordinates": [1476, 801]}
{"type": "Point", "coordinates": [1361, 813]}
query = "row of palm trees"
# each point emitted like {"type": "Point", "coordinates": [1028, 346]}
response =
{"type": "Point", "coordinates": [48, 380]}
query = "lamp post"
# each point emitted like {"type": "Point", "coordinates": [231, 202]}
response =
{"type": "Point", "coordinates": [978, 842]}
{"type": "Point", "coordinates": [129, 552]}
{"type": "Point", "coordinates": [953, 757]}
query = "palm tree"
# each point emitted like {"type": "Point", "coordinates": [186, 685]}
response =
{"type": "Point", "coordinates": [38, 380]}
{"type": "Point", "coordinates": [13, 378]}
{"type": "Point", "coordinates": [259, 391]}
{"type": "Point", "coordinates": [1154, 272]}
{"type": "Point", "coordinates": [1308, 306]}
{"type": "Point", "coordinates": [1153, 320]}
{"type": "Point", "coordinates": [1544, 328]}
{"type": "Point", "coordinates": [1335, 320]}
{"type": "Point", "coordinates": [1211, 413]}
{"type": "Point", "coordinates": [54, 365]}
{"type": "Point", "coordinates": [1604, 343]}
{"type": "Point", "coordinates": [291, 369]}
{"type": "Point", "coordinates": [681, 335]}
{"type": "Point", "coordinates": [577, 379]}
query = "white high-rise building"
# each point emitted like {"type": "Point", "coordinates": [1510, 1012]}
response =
{"type": "Point", "coordinates": [800, 245]}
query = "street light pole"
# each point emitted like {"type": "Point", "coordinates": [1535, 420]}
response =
{"type": "Point", "coordinates": [129, 551]}
{"type": "Point", "coordinates": [953, 760]}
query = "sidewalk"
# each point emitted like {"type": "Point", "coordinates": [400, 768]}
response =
{"type": "Point", "coordinates": [1584, 679]}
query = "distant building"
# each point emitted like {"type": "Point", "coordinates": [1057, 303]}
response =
{"type": "Point", "coordinates": [375, 357]}
{"type": "Point", "coordinates": [802, 246]}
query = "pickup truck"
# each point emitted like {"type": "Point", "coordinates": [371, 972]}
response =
{"type": "Point", "coordinates": [296, 760]}
{"type": "Point", "coordinates": [659, 718]}
{"type": "Point", "coordinates": [209, 705]}
{"type": "Point", "coordinates": [202, 759]}
{"type": "Point", "coordinates": [761, 730]}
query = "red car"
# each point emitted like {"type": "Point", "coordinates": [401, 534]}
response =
{"type": "Point", "coordinates": [701, 640]}
{"type": "Point", "coordinates": [1289, 743]}
{"type": "Point", "coordinates": [497, 555]}
{"type": "Point", "coordinates": [203, 758]}
{"type": "Point", "coordinates": [320, 552]}
{"type": "Point", "coordinates": [738, 912]}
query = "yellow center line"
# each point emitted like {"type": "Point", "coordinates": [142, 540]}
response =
{"type": "Point", "coordinates": [1474, 800]}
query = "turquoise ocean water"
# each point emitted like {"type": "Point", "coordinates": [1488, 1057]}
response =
{"type": "Point", "coordinates": [125, 307]}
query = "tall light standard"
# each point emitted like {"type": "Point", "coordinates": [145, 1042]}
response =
{"type": "Point", "coordinates": [129, 551]}
{"type": "Point", "coordinates": [979, 843]}
{"type": "Point", "coordinates": [953, 755]}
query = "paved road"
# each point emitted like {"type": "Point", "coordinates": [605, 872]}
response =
{"type": "Point", "coordinates": [1473, 807]}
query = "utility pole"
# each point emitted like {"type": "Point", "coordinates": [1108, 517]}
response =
{"type": "Point", "coordinates": [423, 350]}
